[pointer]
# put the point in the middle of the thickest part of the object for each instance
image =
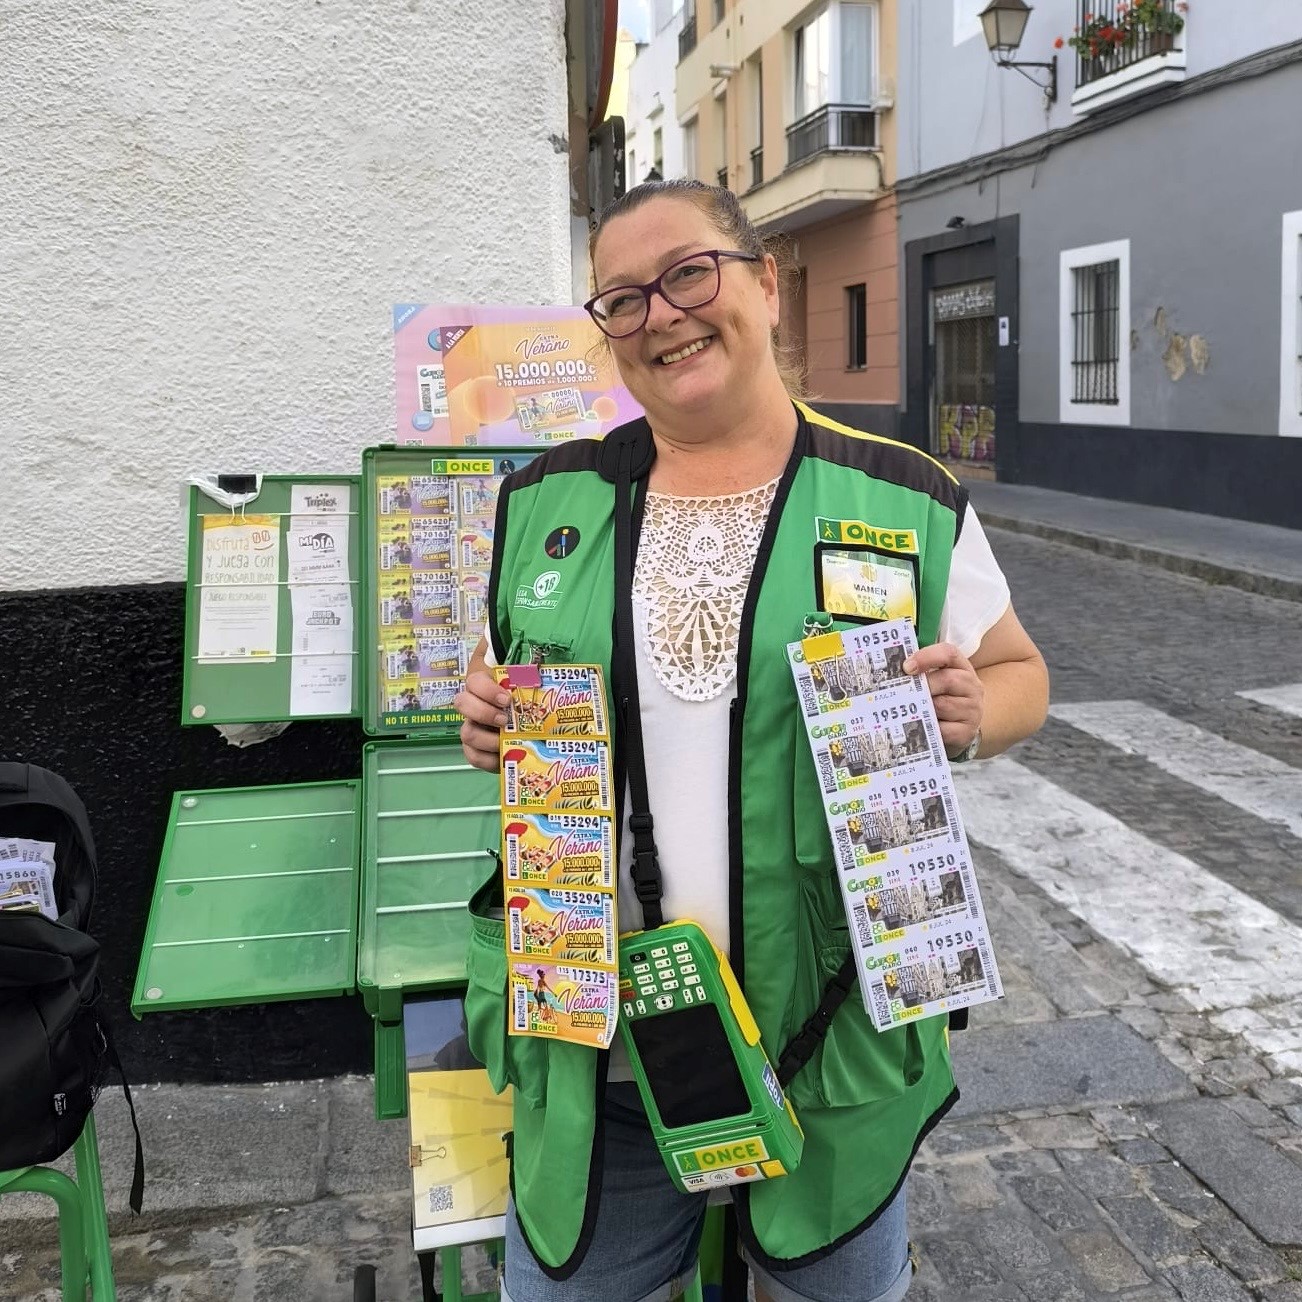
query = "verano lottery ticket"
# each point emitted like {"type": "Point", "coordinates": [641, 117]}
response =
{"type": "Point", "coordinates": [906, 876]}
{"type": "Point", "coordinates": [927, 974]}
{"type": "Point", "coordinates": [561, 926]}
{"type": "Point", "coordinates": [556, 774]}
{"type": "Point", "coordinates": [562, 1002]}
{"type": "Point", "coordinates": [554, 700]}
{"type": "Point", "coordinates": [560, 850]}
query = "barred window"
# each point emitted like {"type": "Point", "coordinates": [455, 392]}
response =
{"type": "Point", "coordinates": [1096, 332]}
{"type": "Point", "coordinates": [856, 312]}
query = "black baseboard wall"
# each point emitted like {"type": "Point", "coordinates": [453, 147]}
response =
{"type": "Point", "coordinates": [92, 689]}
{"type": "Point", "coordinates": [1255, 477]}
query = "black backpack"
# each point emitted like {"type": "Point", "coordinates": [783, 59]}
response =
{"type": "Point", "coordinates": [57, 1044]}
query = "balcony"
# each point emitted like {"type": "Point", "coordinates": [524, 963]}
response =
{"type": "Point", "coordinates": [1124, 50]}
{"type": "Point", "coordinates": [757, 166]}
{"type": "Point", "coordinates": [830, 128]}
{"type": "Point", "coordinates": [721, 177]}
{"type": "Point", "coordinates": [687, 37]}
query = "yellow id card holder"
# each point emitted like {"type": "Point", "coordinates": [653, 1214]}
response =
{"type": "Point", "coordinates": [859, 583]}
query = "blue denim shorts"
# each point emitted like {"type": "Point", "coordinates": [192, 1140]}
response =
{"type": "Point", "coordinates": [647, 1233]}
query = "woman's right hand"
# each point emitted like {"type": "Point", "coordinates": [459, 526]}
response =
{"type": "Point", "coordinates": [483, 704]}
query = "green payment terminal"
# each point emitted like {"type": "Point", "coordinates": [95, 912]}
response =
{"type": "Point", "coordinates": [716, 1109]}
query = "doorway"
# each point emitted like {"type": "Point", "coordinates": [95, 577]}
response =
{"type": "Point", "coordinates": [964, 341]}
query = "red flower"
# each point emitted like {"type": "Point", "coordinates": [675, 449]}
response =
{"type": "Point", "coordinates": [1057, 45]}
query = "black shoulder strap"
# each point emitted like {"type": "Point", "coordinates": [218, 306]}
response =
{"type": "Point", "coordinates": [630, 455]}
{"type": "Point", "coordinates": [137, 1196]}
{"type": "Point", "coordinates": [802, 1045]}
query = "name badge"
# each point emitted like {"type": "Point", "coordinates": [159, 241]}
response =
{"type": "Point", "coordinates": [859, 584]}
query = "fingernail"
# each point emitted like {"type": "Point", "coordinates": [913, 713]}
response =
{"type": "Point", "coordinates": [500, 720]}
{"type": "Point", "coordinates": [910, 665]}
{"type": "Point", "coordinates": [503, 699]}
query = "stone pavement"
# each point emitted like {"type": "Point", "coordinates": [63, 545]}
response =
{"type": "Point", "coordinates": [1110, 1144]}
{"type": "Point", "coordinates": [1257, 557]}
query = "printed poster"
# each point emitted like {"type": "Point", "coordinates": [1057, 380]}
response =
{"type": "Point", "coordinates": [239, 596]}
{"type": "Point", "coordinates": [501, 376]}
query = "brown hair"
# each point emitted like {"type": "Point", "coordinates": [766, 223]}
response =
{"type": "Point", "coordinates": [721, 207]}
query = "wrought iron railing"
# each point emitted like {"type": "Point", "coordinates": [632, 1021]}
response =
{"type": "Point", "coordinates": [834, 126]}
{"type": "Point", "coordinates": [1112, 34]}
{"type": "Point", "coordinates": [687, 37]}
{"type": "Point", "coordinates": [722, 178]}
{"type": "Point", "coordinates": [757, 166]}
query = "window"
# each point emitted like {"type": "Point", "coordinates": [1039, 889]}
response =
{"type": "Point", "coordinates": [689, 150]}
{"type": "Point", "coordinates": [856, 317]}
{"type": "Point", "coordinates": [631, 170]}
{"type": "Point", "coordinates": [721, 118]}
{"type": "Point", "coordinates": [1290, 331]}
{"type": "Point", "coordinates": [834, 58]}
{"type": "Point", "coordinates": [1094, 335]}
{"type": "Point", "coordinates": [719, 6]}
{"type": "Point", "coordinates": [658, 151]}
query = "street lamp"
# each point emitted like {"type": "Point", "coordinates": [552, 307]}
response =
{"type": "Point", "coordinates": [1004, 22]}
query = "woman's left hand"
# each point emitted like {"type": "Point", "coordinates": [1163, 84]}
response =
{"type": "Point", "coordinates": [956, 690]}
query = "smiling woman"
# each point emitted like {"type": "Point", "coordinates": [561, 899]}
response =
{"type": "Point", "coordinates": [733, 480]}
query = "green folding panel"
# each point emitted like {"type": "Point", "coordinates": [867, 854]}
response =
{"type": "Point", "coordinates": [257, 690]}
{"type": "Point", "coordinates": [430, 822]}
{"type": "Point", "coordinates": [256, 898]}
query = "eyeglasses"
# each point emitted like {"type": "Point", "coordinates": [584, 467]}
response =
{"type": "Point", "coordinates": [690, 282]}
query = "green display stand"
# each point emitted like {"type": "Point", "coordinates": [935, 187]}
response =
{"type": "Point", "coordinates": [258, 690]}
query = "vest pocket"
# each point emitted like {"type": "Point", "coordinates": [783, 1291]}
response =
{"type": "Point", "coordinates": [516, 1060]}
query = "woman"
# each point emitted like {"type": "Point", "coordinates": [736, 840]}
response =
{"type": "Point", "coordinates": [748, 509]}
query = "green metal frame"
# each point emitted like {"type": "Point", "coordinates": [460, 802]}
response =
{"type": "Point", "coordinates": [85, 1257]}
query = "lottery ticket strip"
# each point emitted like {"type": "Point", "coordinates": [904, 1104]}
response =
{"type": "Point", "coordinates": [558, 860]}
{"type": "Point", "coordinates": [907, 882]}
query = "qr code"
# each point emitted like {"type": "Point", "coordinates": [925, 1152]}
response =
{"type": "Point", "coordinates": [440, 1198]}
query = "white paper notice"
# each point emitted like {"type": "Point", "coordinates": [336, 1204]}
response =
{"type": "Point", "coordinates": [321, 599]}
{"type": "Point", "coordinates": [320, 499]}
{"type": "Point", "coordinates": [238, 602]}
{"type": "Point", "coordinates": [321, 685]}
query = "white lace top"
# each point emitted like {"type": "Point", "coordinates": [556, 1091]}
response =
{"type": "Point", "coordinates": [693, 566]}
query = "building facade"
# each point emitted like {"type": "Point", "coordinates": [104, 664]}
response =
{"type": "Point", "coordinates": [210, 213]}
{"type": "Point", "coordinates": [790, 105]}
{"type": "Point", "coordinates": [653, 139]}
{"type": "Point", "coordinates": [1103, 291]}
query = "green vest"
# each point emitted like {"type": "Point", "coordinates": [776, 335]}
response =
{"type": "Point", "coordinates": [865, 1099]}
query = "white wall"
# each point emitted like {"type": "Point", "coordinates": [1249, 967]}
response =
{"type": "Point", "coordinates": [653, 73]}
{"type": "Point", "coordinates": [207, 211]}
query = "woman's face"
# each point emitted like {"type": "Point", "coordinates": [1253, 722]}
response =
{"type": "Point", "coordinates": [734, 329]}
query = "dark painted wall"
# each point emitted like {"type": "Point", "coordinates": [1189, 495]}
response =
{"type": "Point", "coordinates": [92, 688]}
{"type": "Point", "coordinates": [1254, 477]}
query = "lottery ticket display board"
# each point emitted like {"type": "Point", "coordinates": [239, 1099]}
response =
{"type": "Point", "coordinates": [503, 376]}
{"type": "Point", "coordinates": [430, 536]}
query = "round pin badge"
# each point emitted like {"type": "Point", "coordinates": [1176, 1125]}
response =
{"type": "Point", "coordinates": [562, 542]}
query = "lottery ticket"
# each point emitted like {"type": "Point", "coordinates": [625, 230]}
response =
{"type": "Point", "coordinates": [440, 657]}
{"type": "Point", "coordinates": [880, 739]}
{"type": "Point", "coordinates": [21, 847]}
{"type": "Point", "coordinates": [433, 544]}
{"type": "Point", "coordinates": [437, 693]}
{"type": "Point", "coordinates": [931, 890]}
{"type": "Point", "coordinates": [539, 410]}
{"type": "Point", "coordinates": [563, 1002]}
{"type": "Point", "coordinates": [475, 549]}
{"type": "Point", "coordinates": [394, 492]}
{"type": "Point", "coordinates": [561, 926]}
{"type": "Point", "coordinates": [831, 670]}
{"type": "Point", "coordinates": [556, 774]}
{"type": "Point", "coordinates": [474, 603]}
{"type": "Point", "coordinates": [435, 602]}
{"type": "Point", "coordinates": [929, 973]}
{"type": "Point", "coordinates": [27, 885]}
{"type": "Point", "coordinates": [399, 659]}
{"type": "Point", "coordinates": [554, 700]}
{"type": "Point", "coordinates": [396, 609]}
{"type": "Point", "coordinates": [432, 495]}
{"type": "Point", "coordinates": [402, 694]}
{"type": "Point", "coordinates": [477, 497]}
{"type": "Point", "coordinates": [895, 814]}
{"type": "Point", "coordinates": [568, 850]}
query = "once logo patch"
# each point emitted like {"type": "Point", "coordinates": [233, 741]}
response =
{"type": "Point", "coordinates": [562, 542]}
